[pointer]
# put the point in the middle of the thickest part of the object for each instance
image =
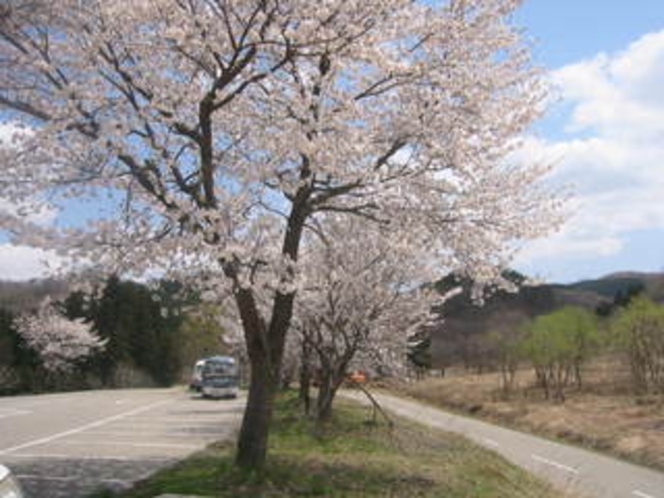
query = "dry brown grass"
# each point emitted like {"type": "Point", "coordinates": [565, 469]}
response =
{"type": "Point", "coordinates": [603, 416]}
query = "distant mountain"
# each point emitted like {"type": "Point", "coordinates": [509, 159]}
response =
{"type": "Point", "coordinates": [463, 322]}
{"type": "Point", "coordinates": [613, 284]}
{"type": "Point", "coordinates": [21, 296]}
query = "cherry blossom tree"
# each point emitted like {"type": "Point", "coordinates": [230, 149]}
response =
{"type": "Point", "coordinates": [365, 292]}
{"type": "Point", "coordinates": [207, 137]}
{"type": "Point", "coordinates": [59, 342]}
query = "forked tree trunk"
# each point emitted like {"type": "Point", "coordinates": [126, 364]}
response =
{"type": "Point", "coordinates": [252, 442]}
{"type": "Point", "coordinates": [330, 384]}
{"type": "Point", "coordinates": [333, 373]}
{"type": "Point", "coordinates": [326, 393]}
{"type": "Point", "coordinates": [265, 346]}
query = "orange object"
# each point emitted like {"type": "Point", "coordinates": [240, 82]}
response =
{"type": "Point", "coordinates": [358, 376]}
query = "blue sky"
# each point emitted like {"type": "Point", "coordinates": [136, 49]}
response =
{"type": "Point", "coordinates": [604, 134]}
{"type": "Point", "coordinates": [570, 30]}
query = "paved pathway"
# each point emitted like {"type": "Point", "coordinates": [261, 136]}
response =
{"type": "Point", "coordinates": [67, 445]}
{"type": "Point", "coordinates": [567, 467]}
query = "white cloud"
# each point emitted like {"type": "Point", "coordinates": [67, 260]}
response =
{"type": "Point", "coordinates": [618, 96]}
{"type": "Point", "coordinates": [614, 157]}
{"type": "Point", "coordinates": [568, 246]}
{"type": "Point", "coordinates": [23, 263]}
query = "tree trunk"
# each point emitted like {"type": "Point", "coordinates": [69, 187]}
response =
{"type": "Point", "coordinates": [326, 393]}
{"type": "Point", "coordinates": [323, 404]}
{"type": "Point", "coordinates": [305, 378]}
{"type": "Point", "coordinates": [252, 442]}
{"type": "Point", "coordinates": [543, 380]}
{"type": "Point", "coordinates": [265, 349]}
{"type": "Point", "coordinates": [287, 377]}
{"type": "Point", "coordinates": [305, 390]}
{"type": "Point", "coordinates": [577, 375]}
{"type": "Point", "coordinates": [265, 345]}
{"type": "Point", "coordinates": [330, 383]}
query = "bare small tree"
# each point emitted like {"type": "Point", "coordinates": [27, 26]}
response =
{"type": "Point", "coordinates": [639, 331]}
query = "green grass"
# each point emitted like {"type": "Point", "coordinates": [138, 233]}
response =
{"type": "Point", "coordinates": [349, 457]}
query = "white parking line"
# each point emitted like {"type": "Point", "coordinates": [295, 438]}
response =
{"type": "Point", "coordinates": [222, 417]}
{"type": "Point", "coordinates": [36, 477]}
{"type": "Point", "coordinates": [12, 412]}
{"type": "Point", "coordinates": [554, 464]}
{"type": "Point", "coordinates": [64, 456]}
{"type": "Point", "coordinates": [132, 445]}
{"type": "Point", "coordinates": [205, 435]}
{"type": "Point", "coordinates": [158, 422]}
{"type": "Point", "coordinates": [641, 494]}
{"type": "Point", "coordinates": [82, 428]}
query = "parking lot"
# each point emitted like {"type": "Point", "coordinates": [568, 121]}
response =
{"type": "Point", "coordinates": [68, 445]}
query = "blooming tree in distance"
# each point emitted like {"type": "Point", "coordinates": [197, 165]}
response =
{"type": "Point", "coordinates": [365, 292]}
{"type": "Point", "coordinates": [59, 342]}
{"type": "Point", "coordinates": [209, 137]}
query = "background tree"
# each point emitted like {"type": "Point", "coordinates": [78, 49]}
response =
{"type": "Point", "coordinates": [638, 330]}
{"type": "Point", "coordinates": [202, 333]}
{"type": "Point", "coordinates": [59, 342]}
{"type": "Point", "coordinates": [153, 332]}
{"type": "Point", "coordinates": [461, 325]}
{"type": "Point", "coordinates": [9, 380]}
{"type": "Point", "coordinates": [19, 365]}
{"type": "Point", "coordinates": [557, 344]}
{"type": "Point", "coordinates": [506, 343]}
{"type": "Point", "coordinates": [218, 132]}
{"type": "Point", "coordinates": [142, 329]}
{"type": "Point", "coordinates": [364, 294]}
{"type": "Point", "coordinates": [419, 352]}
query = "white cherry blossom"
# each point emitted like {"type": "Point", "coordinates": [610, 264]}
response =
{"type": "Point", "coordinates": [208, 138]}
{"type": "Point", "coordinates": [59, 342]}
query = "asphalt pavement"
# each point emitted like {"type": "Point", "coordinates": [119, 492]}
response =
{"type": "Point", "coordinates": [567, 467]}
{"type": "Point", "coordinates": [70, 444]}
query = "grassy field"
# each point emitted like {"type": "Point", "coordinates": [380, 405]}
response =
{"type": "Point", "coordinates": [604, 416]}
{"type": "Point", "coordinates": [350, 457]}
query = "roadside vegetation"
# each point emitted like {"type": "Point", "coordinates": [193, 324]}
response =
{"type": "Point", "coordinates": [594, 379]}
{"type": "Point", "coordinates": [352, 455]}
{"type": "Point", "coordinates": [147, 335]}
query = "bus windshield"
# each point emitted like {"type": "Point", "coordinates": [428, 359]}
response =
{"type": "Point", "coordinates": [215, 367]}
